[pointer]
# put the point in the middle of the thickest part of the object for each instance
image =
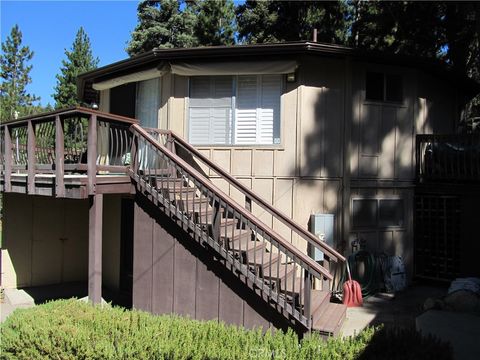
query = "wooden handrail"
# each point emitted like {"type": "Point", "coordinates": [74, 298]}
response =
{"type": "Point", "coordinates": [71, 111]}
{"type": "Point", "coordinates": [308, 236]}
{"type": "Point", "coordinates": [316, 269]}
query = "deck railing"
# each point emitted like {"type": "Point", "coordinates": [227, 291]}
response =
{"type": "Point", "coordinates": [203, 164]}
{"type": "Point", "coordinates": [69, 141]}
{"type": "Point", "coordinates": [448, 158]}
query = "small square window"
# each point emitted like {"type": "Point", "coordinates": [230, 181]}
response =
{"type": "Point", "coordinates": [364, 213]}
{"type": "Point", "coordinates": [390, 212]}
{"type": "Point", "coordinates": [383, 87]}
{"type": "Point", "coordinates": [394, 88]}
{"type": "Point", "coordinates": [374, 86]}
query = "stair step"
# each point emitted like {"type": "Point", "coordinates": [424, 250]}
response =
{"type": "Point", "coordinates": [278, 271]}
{"type": "Point", "coordinates": [181, 192]}
{"type": "Point", "coordinates": [229, 224]}
{"type": "Point", "coordinates": [240, 240]}
{"type": "Point", "coordinates": [169, 183]}
{"type": "Point", "coordinates": [193, 204]}
{"type": "Point", "coordinates": [255, 253]}
{"type": "Point", "coordinates": [319, 298]}
{"type": "Point", "coordinates": [328, 318]}
{"type": "Point", "coordinates": [287, 284]}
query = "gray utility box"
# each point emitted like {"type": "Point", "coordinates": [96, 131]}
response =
{"type": "Point", "coordinates": [321, 225]}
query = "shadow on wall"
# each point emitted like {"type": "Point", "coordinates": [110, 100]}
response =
{"type": "Point", "coordinates": [381, 146]}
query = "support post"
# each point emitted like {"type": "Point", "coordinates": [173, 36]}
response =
{"type": "Point", "coordinates": [92, 154]}
{"type": "Point", "coordinates": [95, 249]}
{"type": "Point", "coordinates": [307, 296]}
{"type": "Point", "coordinates": [59, 157]}
{"type": "Point", "coordinates": [8, 160]}
{"type": "Point", "coordinates": [31, 156]}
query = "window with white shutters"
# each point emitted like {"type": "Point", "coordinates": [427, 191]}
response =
{"type": "Point", "coordinates": [235, 110]}
{"type": "Point", "coordinates": [210, 110]}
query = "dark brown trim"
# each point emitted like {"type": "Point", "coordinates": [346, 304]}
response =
{"type": "Point", "coordinates": [155, 58]}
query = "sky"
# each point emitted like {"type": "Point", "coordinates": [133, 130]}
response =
{"type": "Point", "coordinates": [49, 27]}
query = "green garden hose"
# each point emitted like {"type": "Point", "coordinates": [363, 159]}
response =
{"type": "Point", "coordinates": [369, 282]}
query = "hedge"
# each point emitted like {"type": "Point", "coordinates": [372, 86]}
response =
{"type": "Point", "coordinates": [71, 329]}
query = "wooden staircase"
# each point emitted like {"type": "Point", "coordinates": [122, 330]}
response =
{"type": "Point", "coordinates": [109, 152]}
{"type": "Point", "coordinates": [270, 265]}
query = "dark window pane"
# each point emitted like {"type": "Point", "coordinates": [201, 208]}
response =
{"type": "Point", "coordinates": [374, 86]}
{"type": "Point", "coordinates": [391, 212]}
{"type": "Point", "coordinates": [394, 88]}
{"type": "Point", "coordinates": [122, 100]}
{"type": "Point", "coordinates": [365, 213]}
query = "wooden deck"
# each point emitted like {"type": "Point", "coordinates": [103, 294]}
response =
{"type": "Point", "coordinates": [76, 185]}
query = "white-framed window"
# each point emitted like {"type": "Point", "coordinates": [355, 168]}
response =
{"type": "Point", "coordinates": [147, 102]}
{"type": "Point", "coordinates": [235, 110]}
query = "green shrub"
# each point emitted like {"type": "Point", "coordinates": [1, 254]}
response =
{"type": "Point", "coordinates": [69, 329]}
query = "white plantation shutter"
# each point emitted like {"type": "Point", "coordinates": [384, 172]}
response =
{"type": "Point", "coordinates": [269, 110]}
{"type": "Point", "coordinates": [256, 103]}
{"type": "Point", "coordinates": [246, 110]}
{"type": "Point", "coordinates": [257, 113]}
{"type": "Point", "coordinates": [210, 110]}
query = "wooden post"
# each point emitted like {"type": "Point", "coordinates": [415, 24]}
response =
{"type": "Point", "coordinates": [8, 160]}
{"type": "Point", "coordinates": [95, 249]}
{"type": "Point", "coordinates": [326, 265]}
{"type": "Point", "coordinates": [307, 294]}
{"type": "Point", "coordinates": [92, 154]}
{"type": "Point", "coordinates": [31, 157]}
{"type": "Point", "coordinates": [59, 157]}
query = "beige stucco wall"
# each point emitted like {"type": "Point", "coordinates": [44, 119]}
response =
{"type": "Point", "coordinates": [45, 240]}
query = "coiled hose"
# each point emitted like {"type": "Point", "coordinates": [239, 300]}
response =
{"type": "Point", "coordinates": [370, 280]}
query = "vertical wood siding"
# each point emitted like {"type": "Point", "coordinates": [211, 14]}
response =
{"type": "Point", "coordinates": [172, 273]}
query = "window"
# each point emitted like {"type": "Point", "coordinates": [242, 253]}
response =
{"type": "Point", "coordinates": [383, 87]}
{"type": "Point", "coordinates": [373, 213]}
{"type": "Point", "coordinates": [235, 110]}
{"type": "Point", "coordinates": [148, 102]}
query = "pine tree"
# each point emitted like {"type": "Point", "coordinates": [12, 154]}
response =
{"type": "Point", "coordinates": [79, 60]}
{"type": "Point", "coordinates": [215, 22]}
{"type": "Point", "coordinates": [278, 21]}
{"type": "Point", "coordinates": [163, 24]}
{"type": "Point", "coordinates": [14, 98]}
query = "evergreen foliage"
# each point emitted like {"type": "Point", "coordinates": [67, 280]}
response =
{"type": "Point", "coordinates": [15, 101]}
{"type": "Point", "coordinates": [78, 60]}
{"type": "Point", "coordinates": [172, 23]}
{"type": "Point", "coordinates": [215, 23]}
{"type": "Point", "coordinates": [277, 21]}
{"type": "Point", "coordinates": [70, 329]}
{"type": "Point", "coordinates": [162, 24]}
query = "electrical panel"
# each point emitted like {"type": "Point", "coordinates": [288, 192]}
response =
{"type": "Point", "coordinates": [321, 225]}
